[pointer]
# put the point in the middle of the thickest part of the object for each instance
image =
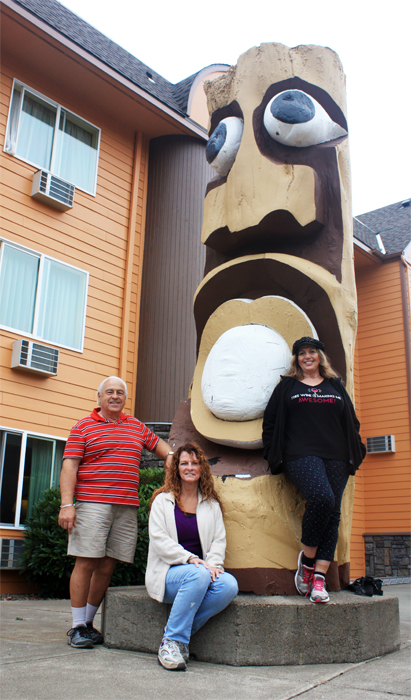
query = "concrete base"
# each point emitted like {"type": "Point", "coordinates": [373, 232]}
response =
{"type": "Point", "coordinates": [263, 630]}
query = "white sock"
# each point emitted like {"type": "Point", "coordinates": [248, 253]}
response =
{"type": "Point", "coordinates": [90, 612]}
{"type": "Point", "coordinates": [79, 616]}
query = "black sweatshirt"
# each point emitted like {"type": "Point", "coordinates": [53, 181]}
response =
{"type": "Point", "coordinates": [314, 425]}
{"type": "Point", "coordinates": [276, 419]}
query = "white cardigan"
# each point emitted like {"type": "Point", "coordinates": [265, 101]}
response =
{"type": "Point", "coordinates": [165, 551]}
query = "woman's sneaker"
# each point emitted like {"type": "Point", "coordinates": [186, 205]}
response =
{"type": "Point", "coordinates": [318, 592]}
{"type": "Point", "coordinates": [169, 655]}
{"type": "Point", "coordinates": [303, 576]}
{"type": "Point", "coordinates": [184, 651]}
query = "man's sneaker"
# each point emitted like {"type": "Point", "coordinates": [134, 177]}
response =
{"type": "Point", "coordinates": [78, 637]}
{"type": "Point", "coordinates": [95, 636]}
{"type": "Point", "coordinates": [318, 592]}
{"type": "Point", "coordinates": [303, 576]}
{"type": "Point", "coordinates": [169, 655]}
{"type": "Point", "coordinates": [184, 651]}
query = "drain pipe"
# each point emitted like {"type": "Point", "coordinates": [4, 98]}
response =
{"type": "Point", "coordinates": [405, 275]}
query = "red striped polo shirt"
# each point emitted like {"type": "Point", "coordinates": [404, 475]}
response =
{"type": "Point", "coordinates": [109, 455]}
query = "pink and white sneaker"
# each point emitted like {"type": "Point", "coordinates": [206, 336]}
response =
{"type": "Point", "coordinates": [303, 576]}
{"type": "Point", "coordinates": [318, 592]}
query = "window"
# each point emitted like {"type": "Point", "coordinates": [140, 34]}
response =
{"type": "Point", "coordinates": [29, 464]}
{"type": "Point", "coordinates": [45, 134]}
{"type": "Point", "coordinates": [42, 297]}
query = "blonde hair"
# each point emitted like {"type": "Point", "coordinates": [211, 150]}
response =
{"type": "Point", "coordinates": [172, 481]}
{"type": "Point", "coordinates": [325, 368]}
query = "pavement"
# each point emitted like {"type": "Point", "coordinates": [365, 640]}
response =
{"type": "Point", "coordinates": [37, 664]}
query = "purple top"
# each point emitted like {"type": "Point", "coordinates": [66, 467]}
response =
{"type": "Point", "coordinates": [187, 532]}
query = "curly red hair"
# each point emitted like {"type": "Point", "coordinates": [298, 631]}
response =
{"type": "Point", "coordinates": [172, 481]}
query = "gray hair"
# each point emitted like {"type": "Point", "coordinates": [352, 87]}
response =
{"type": "Point", "coordinates": [100, 389]}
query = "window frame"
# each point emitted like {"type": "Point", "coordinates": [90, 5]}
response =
{"type": "Point", "coordinates": [54, 149]}
{"type": "Point", "coordinates": [25, 434]}
{"type": "Point", "coordinates": [42, 257]}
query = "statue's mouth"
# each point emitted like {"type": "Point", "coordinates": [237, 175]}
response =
{"type": "Point", "coordinates": [277, 232]}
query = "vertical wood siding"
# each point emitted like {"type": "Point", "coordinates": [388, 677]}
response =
{"type": "Point", "coordinates": [384, 401]}
{"type": "Point", "coordinates": [173, 268]}
{"type": "Point", "coordinates": [92, 236]}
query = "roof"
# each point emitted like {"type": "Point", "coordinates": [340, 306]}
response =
{"type": "Point", "coordinates": [181, 91]}
{"type": "Point", "coordinates": [392, 223]}
{"type": "Point", "coordinates": [98, 45]}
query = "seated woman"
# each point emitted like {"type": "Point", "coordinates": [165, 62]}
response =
{"type": "Point", "coordinates": [186, 553]}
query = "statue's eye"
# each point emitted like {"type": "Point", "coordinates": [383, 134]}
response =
{"type": "Point", "coordinates": [294, 118]}
{"type": "Point", "coordinates": [223, 144]}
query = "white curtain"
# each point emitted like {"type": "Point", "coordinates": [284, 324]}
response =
{"type": "Point", "coordinates": [32, 131]}
{"type": "Point", "coordinates": [18, 283]}
{"type": "Point", "coordinates": [62, 301]}
{"type": "Point", "coordinates": [11, 139]}
{"type": "Point", "coordinates": [77, 154]}
{"type": "Point", "coordinates": [36, 132]}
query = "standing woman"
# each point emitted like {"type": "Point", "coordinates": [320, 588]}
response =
{"type": "Point", "coordinates": [186, 552]}
{"type": "Point", "coordinates": [311, 434]}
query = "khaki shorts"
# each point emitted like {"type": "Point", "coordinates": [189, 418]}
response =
{"type": "Point", "coordinates": [104, 529]}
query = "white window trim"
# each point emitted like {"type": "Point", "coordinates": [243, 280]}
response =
{"type": "Point", "coordinates": [53, 152]}
{"type": "Point", "coordinates": [42, 256]}
{"type": "Point", "coordinates": [24, 435]}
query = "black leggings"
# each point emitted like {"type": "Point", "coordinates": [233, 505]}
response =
{"type": "Point", "coordinates": [322, 483]}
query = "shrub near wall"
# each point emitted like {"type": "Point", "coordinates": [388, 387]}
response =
{"type": "Point", "coordinates": [45, 560]}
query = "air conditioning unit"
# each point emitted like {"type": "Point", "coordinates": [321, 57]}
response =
{"type": "Point", "coordinates": [10, 553]}
{"type": "Point", "coordinates": [380, 443]}
{"type": "Point", "coordinates": [33, 357]}
{"type": "Point", "coordinates": [53, 190]}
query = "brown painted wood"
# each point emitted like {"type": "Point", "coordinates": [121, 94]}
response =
{"type": "Point", "coordinates": [173, 268]}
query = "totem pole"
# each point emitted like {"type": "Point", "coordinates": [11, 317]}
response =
{"type": "Point", "coordinates": [278, 233]}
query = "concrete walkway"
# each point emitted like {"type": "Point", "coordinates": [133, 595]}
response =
{"type": "Point", "coordinates": [37, 664]}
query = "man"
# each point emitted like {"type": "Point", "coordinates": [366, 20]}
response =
{"type": "Point", "coordinates": [101, 469]}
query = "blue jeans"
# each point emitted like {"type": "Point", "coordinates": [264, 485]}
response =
{"type": "Point", "coordinates": [195, 598]}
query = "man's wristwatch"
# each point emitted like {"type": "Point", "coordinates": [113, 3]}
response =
{"type": "Point", "coordinates": [169, 453]}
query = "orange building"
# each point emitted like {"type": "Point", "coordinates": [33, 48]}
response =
{"type": "Point", "coordinates": [381, 525]}
{"type": "Point", "coordinates": [103, 177]}
{"type": "Point", "coordinates": [78, 117]}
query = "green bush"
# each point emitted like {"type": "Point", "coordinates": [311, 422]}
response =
{"type": "Point", "coordinates": [45, 559]}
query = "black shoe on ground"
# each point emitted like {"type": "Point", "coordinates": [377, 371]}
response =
{"type": "Point", "coordinates": [79, 638]}
{"type": "Point", "coordinates": [95, 636]}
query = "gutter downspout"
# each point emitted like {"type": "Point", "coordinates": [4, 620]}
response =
{"type": "Point", "coordinates": [144, 152]}
{"type": "Point", "coordinates": [128, 278]}
{"type": "Point", "coordinates": [406, 306]}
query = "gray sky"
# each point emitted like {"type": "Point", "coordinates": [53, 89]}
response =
{"type": "Point", "coordinates": [372, 40]}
